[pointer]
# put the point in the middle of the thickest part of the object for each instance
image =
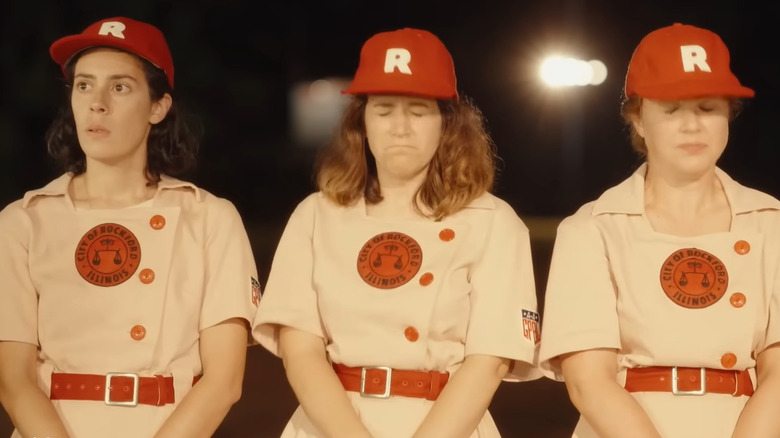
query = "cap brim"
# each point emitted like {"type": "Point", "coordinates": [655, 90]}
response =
{"type": "Point", "coordinates": [694, 90]}
{"type": "Point", "coordinates": [353, 90]}
{"type": "Point", "coordinates": [64, 48]}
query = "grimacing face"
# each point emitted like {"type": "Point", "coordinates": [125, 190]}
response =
{"type": "Point", "coordinates": [403, 134]}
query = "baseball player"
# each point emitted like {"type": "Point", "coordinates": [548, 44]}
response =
{"type": "Point", "coordinates": [126, 294]}
{"type": "Point", "coordinates": [402, 292]}
{"type": "Point", "coordinates": [661, 312]}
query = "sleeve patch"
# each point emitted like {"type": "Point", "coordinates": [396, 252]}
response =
{"type": "Point", "coordinates": [531, 329]}
{"type": "Point", "coordinates": [255, 293]}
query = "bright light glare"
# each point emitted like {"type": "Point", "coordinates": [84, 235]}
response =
{"type": "Point", "coordinates": [599, 72]}
{"type": "Point", "coordinates": [558, 71]}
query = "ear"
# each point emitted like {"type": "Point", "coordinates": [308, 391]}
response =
{"type": "Point", "coordinates": [160, 109]}
{"type": "Point", "coordinates": [636, 122]}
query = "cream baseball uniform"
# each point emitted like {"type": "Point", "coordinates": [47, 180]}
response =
{"type": "Point", "coordinates": [412, 295]}
{"type": "Point", "coordinates": [662, 300]}
{"type": "Point", "coordinates": [125, 290]}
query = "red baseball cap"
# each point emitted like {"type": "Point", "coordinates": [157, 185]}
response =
{"type": "Point", "coordinates": [682, 62]}
{"type": "Point", "coordinates": [136, 37]}
{"type": "Point", "coordinates": [405, 61]}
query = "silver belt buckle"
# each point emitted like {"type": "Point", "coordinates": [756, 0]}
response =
{"type": "Point", "coordinates": [107, 388]}
{"type": "Point", "coordinates": [388, 371]}
{"type": "Point", "coordinates": [702, 384]}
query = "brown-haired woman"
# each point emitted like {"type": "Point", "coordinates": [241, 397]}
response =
{"type": "Point", "coordinates": [402, 293]}
{"type": "Point", "coordinates": [661, 312]}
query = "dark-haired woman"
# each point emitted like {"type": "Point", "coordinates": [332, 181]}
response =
{"type": "Point", "coordinates": [125, 292]}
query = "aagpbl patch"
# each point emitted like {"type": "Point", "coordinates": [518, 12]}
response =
{"type": "Point", "coordinates": [254, 290]}
{"type": "Point", "coordinates": [694, 278]}
{"type": "Point", "coordinates": [107, 255]}
{"type": "Point", "coordinates": [389, 260]}
{"type": "Point", "coordinates": [531, 329]}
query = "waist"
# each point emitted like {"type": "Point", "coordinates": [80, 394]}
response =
{"type": "Point", "coordinates": [689, 381]}
{"type": "Point", "coordinates": [114, 389]}
{"type": "Point", "coordinates": [384, 382]}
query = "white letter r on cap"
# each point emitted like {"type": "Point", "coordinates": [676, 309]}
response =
{"type": "Point", "coordinates": [694, 56]}
{"type": "Point", "coordinates": [398, 58]}
{"type": "Point", "coordinates": [113, 28]}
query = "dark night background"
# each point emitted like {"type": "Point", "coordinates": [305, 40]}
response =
{"type": "Point", "coordinates": [236, 62]}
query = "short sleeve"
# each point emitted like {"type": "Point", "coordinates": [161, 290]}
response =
{"type": "Point", "coordinates": [290, 298]}
{"type": "Point", "coordinates": [18, 297]}
{"type": "Point", "coordinates": [580, 310]}
{"type": "Point", "coordinates": [772, 334]}
{"type": "Point", "coordinates": [504, 321]}
{"type": "Point", "coordinates": [232, 290]}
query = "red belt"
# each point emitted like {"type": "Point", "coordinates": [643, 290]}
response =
{"type": "Point", "coordinates": [120, 389]}
{"type": "Point", "coordinates": [689, 381]}
{"type": "Point", "coordinates": [382, 382]}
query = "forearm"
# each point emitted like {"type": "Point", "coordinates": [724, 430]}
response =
{"type": "Point", "coordinates": [611, 410]}
{"type": "Point", "coordinates": [29, 408]}
{"type": "Point", "coordinates": [323, 398]}
{"type": "Point", "coordinates": [465, 399]}
{"type": "Point", "coordinates": [31, 411]}
{"type": "Point", "coordinates": [223, 355]}
{"type": "Point", "coordinates": [202, 410]}
{"type": "Point", "coordinates": [759, 417]}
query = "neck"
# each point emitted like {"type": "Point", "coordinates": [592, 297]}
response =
{"type": "Point", "coordinates": [398, 198]}
{"type": "Point", "coordinates": [683, 193]}
{"type": "Point", "coordinates": [686, 206]}
{"type": "Point", "coordinates": [106, 186]}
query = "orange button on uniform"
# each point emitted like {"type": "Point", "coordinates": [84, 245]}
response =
{"type": "Point", "coordinates": [426, 279]}
{"type": "Point", "coordinates": [742, 247]}
{"type": "Point", "coordinates": [146, 276]}
{"type": "Point", "coordinates": [728, 360]}
{"type": "Point", "coordinates": [446, 234]}
{"type": "Point", "coordinates": [138, 332]}
{"type": "Point", "coordinates": [412, 334]}
{"type": "Point", "coordinates": [157, 222]}
{"type": "Point", "coordinates": [737, 299]}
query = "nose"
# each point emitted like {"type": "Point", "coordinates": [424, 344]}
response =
{"type": "Point", "coordinates": [689, 121]}
{"type": "Point", "coordinates": [99, 103]}
{"type": "Point", "coordinates": [401, 123]}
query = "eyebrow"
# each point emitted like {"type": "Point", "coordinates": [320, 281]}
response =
{"type": "Point", "coordinates": [111, 77]}
{"type": "Point", "coordinates": [411, 104]}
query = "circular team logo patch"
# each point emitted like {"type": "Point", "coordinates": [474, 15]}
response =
{"type": "Point", "coordinates": [389, 260]}
{"type": "Point", "coordinates": [694, 278]}
{"type": "Point", "coordinates": [108, 255]}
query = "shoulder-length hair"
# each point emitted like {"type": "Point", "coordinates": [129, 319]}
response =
{"type": "Point", "coordinates": [462, 169]}
{"type": "Point", "coordinates": [171, 146]}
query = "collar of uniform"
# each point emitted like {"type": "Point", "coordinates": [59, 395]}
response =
{"type": "Point", "coordinates": [59, 187]}
{"type": "Point", "coordinates": [485, 201]}
{"type": "Point", "coordinates": [628, 197]}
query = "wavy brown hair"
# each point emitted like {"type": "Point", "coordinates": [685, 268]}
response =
{"type": "Point", "coordinates": [462, 169]}
{"type": "Point", "coordinates": [631, 107]}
